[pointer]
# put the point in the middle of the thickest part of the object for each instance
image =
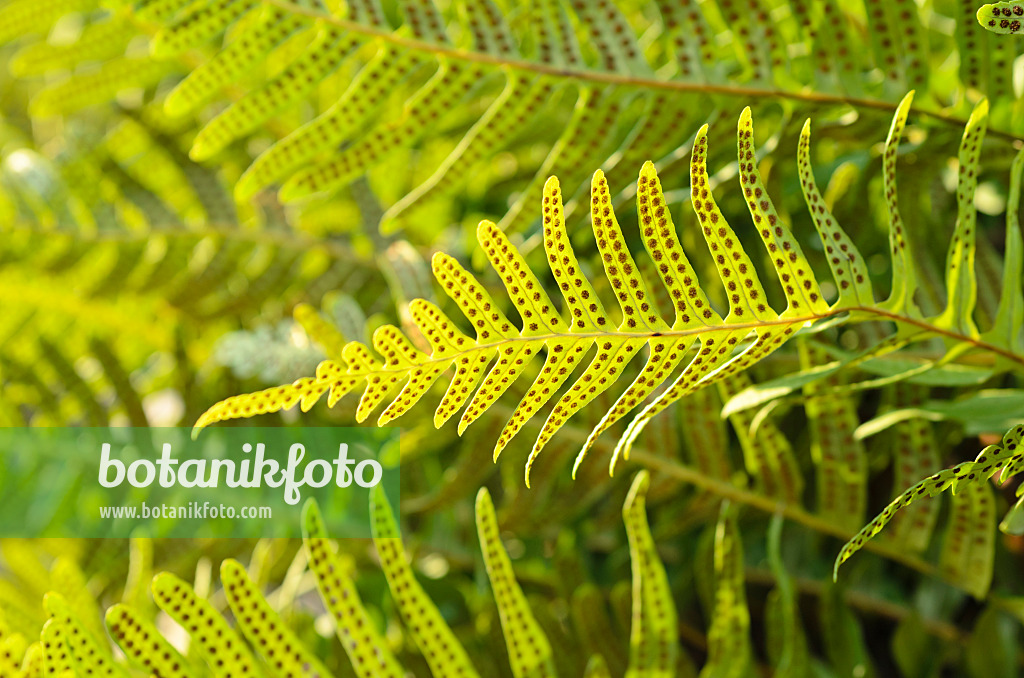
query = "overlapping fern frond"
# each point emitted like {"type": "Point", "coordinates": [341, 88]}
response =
{"type": "Point", "coordinates": [719, 345]}
{"type": "Point", "coordinates": [321, 79]}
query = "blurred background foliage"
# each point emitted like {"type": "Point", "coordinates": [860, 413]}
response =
{"type": "Point", "coordinates": [137, 290]}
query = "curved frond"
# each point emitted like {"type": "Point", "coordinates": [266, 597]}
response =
{"type": "Point", "coordinates": [529, 649]}
{"type": "Point", "coordinates": [1005, 459]}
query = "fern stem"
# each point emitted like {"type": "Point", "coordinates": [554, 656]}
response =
{"type": "Point", "coordinates": [783, 321]}
{"type": "Point", "coordinates": [611, 78]}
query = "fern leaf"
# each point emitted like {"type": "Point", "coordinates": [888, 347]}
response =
{"type": "Point", "coordinates": [1008, 328]}
{"type": "Point", "coordinates": [224, 652]}
{"type": "Point", "coordinates": [844, 258]}
{"type": "Point", "coordinates": [840, 458]}
{"type": "Point", "coordinates": [366, 649]}
{"type": "Point", "coordinates": [281, 649]}
{"type": "Point", "coordinates": [653, 638]}
{"type": "Point", "coordinates": [1003, 18]}
{"type": "Point", "coordinates": [528, 648]}
{"type": "Point", "coordinates": [1005, 458]}
{"type": "Point", "coordinates": [431, 633]}
{"type": "Point", "coordinates": [767, 453]}
{"type": "Point", "coordinates": [56, 654]}
{"type": "Point", "coordinates": [968, 550]}
{"type": "Point", "coordinates": [747, 302]}
{"type": "Point", "coordinates": [544, 327]}
{"type": "Point", "coordinates": [87, 655]}
{"type": "Point", "coordinates": [915, 455]}
{"type": "Point", "coordinates": [12, 652]}
{"type": "Point", "coordinates": [196, 25]}
{"type": "Point", "coordinates": [140, 641]}
{"type": "Point", "coordinates": [961, 281]}
{"type": "Point", "coordinates": [786, 641]}
{"type": "Point", "coordinates": [99, 86]}
{"type": "Point", "coordinates": [904, 277]}
{"type": "Point", "coordinates": [359, 101]}
{"type": "Point", "coordinates": [246, 51]}
{"type": "Point", "coordinates": [729, 651]}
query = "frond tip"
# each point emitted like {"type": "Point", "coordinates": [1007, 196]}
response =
{"type": "Point", "coordinates": [1004, 18]}
{"type": "Point", "coordinates": [1005, 458]}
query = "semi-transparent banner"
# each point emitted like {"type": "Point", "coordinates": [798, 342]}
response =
{"type": "Point", "coordinates": [229, 481]}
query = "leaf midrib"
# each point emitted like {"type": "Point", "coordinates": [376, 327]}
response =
{"type": "Point", "coordinates": [783, 321]}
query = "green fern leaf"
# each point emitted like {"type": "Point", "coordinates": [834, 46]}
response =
{"type": "Point", "coordinates": [87, 655]}
{"type": "Point", "coordinates": [653, 637]}
{"type": "Point", "coordinates": [844, 258]}
{"type": "Point", "coordinates": [12, 651]}
{"type": "Point", "coordinates": [528, 647]}
{"type": "Point", "coordinates": [278, 645]}
{"type": "Point", "coordinates": [1008, 327]}
{"type": "Point", "coordinates": [140, 641]}
{"type": "Point", "coordinates": [364, 646]}
{"type": "Point", "coordinates": [1003, 18]}
{"type": "Point", "coordinates": [915, 455]}
{"type": "Point", "coordinates": [904, 276]}
{"type": "Point", "coordinates": [968, 550]}
{"type": "Point", "coordinates": [961, 281]}
{"type": "Point", "coordinates": [1005, 458]}
{"type": "Point", "coordinates": [224, 652]}
{"type": "Point", "coordinates": [431, 633]}
{"type": "Point", "coordinates": [840, 458]}
{"type": "Point", "coordinates": [56, 654]}
{"type": "Point", "coordinates": [729, 650]}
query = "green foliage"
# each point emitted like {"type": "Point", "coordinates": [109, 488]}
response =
{"type": "Point", "coordinates": [202, 199]}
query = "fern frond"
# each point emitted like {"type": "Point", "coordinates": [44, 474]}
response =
{"type": "Point", "coordinates": [840, 458]}
{"type": "Point", "coordinates": [140, 640]}
{"type": "Point", "coordinates": [431, 633]}
{"type": "Point", "coordinates": [915, 455]}
{"type": "Point", "coordinates": [653, 635]}
{"type": "Point", "coordinates": [364, 646]}
{"type": "Point", "coordinates": [729, 345]}
{"type": "Point", "coordinates": [1005, 458]}
{"type": "Point", "coordinates": [87, 655]}
{"type": "Point", "coordinates": [264, 628]}
{"type": "Point", "coordinates": [729, 649]}
{"type": "Point", "coordinates": [529, 649]}
{"type": "Point", "coordinates": [223, 650]}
